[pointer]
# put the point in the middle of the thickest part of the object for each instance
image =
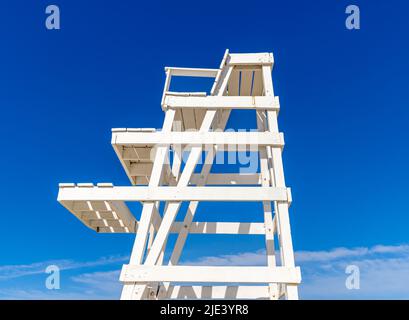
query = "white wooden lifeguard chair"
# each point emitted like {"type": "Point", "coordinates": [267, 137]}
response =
{"type": "Point", "coordinates": [194, 125]}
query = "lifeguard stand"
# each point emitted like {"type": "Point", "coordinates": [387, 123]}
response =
{"type": "Point", "coordinates": [195, 125]}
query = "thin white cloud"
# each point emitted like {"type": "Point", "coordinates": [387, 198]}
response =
{"type": "Point", "coordinates": [385, 277]}
{"type": "Point", "coordinates": [342, 253]}
{"type": "Point", "coordinates": [98, 285]}
{"type": "Point", "coordinates": [384, 274]}
{"type": "Point", "coordinates": [240, 259]}
{"type": "Point", "coordinates": [259, 257]}
{"type": "Point", "coordinates": [106, 281]}
{"type": "Point", "coordinates": [8, 272]}
{"type": "Point", "coordinates": [35, 294]}
{"type": "Point", "coordinates": [384, 271]}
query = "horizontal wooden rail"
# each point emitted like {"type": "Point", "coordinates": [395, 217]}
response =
{"type": "Point", "coordinates": [141, 273]}
{"type": "Point", "coordinates": [198, 227]}
{"type": "Point", "coordinates": [247, 59]}
{"type": "Point", "coordinates": [218, 292]}
{"type": "Point", "coordinates": [173, 194]}
{"type": "Point", "coordinates": [198, 138]}
{"type": "Point", "coordinates": [192, 72]}
{"type": "Point", "coordinates": [222, 102]}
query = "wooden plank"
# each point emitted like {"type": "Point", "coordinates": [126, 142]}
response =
{"type": "Point", "coordinates": [199, 116]}
{"type": "Point", "coordinates": [251, 59]}
{"type": "Point", "coordinates": [188, 117]}
{"type": "Point", "coordinates": [282, 215]}
{"type": "Point", "coordinates": [178, 123]}
{"type": "Point", "coordinates": [197, 227]}
{"type": "Point", "coordinates": [141, 180]}
{"type": "Point", "coordinates": [223, 274]}
{"type": "Point", "coordinates": [246, 78]}
{"type": "Point", "coordinates": [229, 179]}
{"type": "Point", "coordinates": [192, 72]}
{"type": "Point", "coordinates": [132, 290]}
{"type": "Point", "coordinates": [218, 292]}
{"type": "Point", "coordinates": [140, 168]}
{"type": "Point", "coordinates": [138, 154]}
{"type": "Point", "coordinates": [244, 228]}
{"type": "Point", "coordinates": [200, 138]}
{"type": "Point", "coordinates": [166, 87]}
{"type": "Point", "coordinates": [257, 89]}
{"type": "Point", "coordinates": [221, 74]}
{"type": "Point", "coordinates": [234, 83]}
{"type": "Point", "coordinates": [124, 163]}
{"type": "Point", "coordinates": [267, 208]}
{"type": "Point", "coordinates": [186, 94]}
{"type": "Point", "coordinates": [124, 214]}
{"type": "Point", "coordinates": [225, 102]}
{"type": "Point", "coordinates": [173, 194]}
{"type": "Point", "coordinates": [90, 211]}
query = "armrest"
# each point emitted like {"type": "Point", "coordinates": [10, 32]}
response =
{"type": "Point", "coordinates": [192, 72]}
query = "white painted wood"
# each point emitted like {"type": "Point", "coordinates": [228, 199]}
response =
{"type": "Point", "coordinates": [198, 227]}
{"type": "Point", "coordinates": [132, 290]}
{"type": "Point", "coordinates": [234, 83]}
{"type": "Point", "coordinates": [138, 154]}
{"type": "Point", "coordinates": [210, 119]}
{"type": "Point", "coordinates": [268, 214]}
{"type": "Point", "coordinates": [186, 94]}
{"type": "Point", "coordinates": [196, 274]}
{"type": "Point", "coordinates": [166, 86]}
{"type": "Point", "coordinates": [243, 81]}
{"type": "Point", "coordinates": [225, 102]}
{"type": "Point", "coordinates": [258, 84]}
{"type": "Point", "coordinates": [103, 213]}
{"type": "Point", "coordinates": [282, 215]}
{"type": "Point", "coordinates": [251, 59]}
{"type": "Point", "coordinates": [252, 228]}
{"type": "Point", "coordinates": [218, 292]}
{"type": "Point", "coordinates": [192, 72]}
{"type": "Point", "coordinates": [246, 78]}
{"type": "Point", "coordinates": [187, 222]}
{"type": "Point", "coordinates": [194, 193]}
{"type": "Point", "coordinates": [219, 123]}
{"type": "Point", "coordinates": [172, 208]}
{"type": "Point", "coordinates": [228, 179]}
{"type": "Point", "coordinates": [199, 138]}
{"type": "Point", "coordinates": [222, 73]}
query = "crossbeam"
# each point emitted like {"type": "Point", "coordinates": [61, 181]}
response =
{"type": "Point", "coordinates": [192, 72]}
{"type": "Point", "coordinates": [228, 179]}
{"type": "Point", "coordinates": [198, 138]}
{"type": "Point", "coordinates": [174, 194]}
{"type": "Point", "coordinates": [248, 59]}
{"type": "Point", "coordinates": [195, 274]}
{"type": "Point", "coordinates": [218, 292]}
{"type": "Point", "coordinates": [198, 227]}
{"type": "Point", "coordinates": [223, 102]}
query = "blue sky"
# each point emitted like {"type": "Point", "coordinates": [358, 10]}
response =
{"type": "Point", "coordinates": [344, 99]}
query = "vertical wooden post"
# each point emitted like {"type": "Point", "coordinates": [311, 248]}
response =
{"type": "Point", "coordinates": [282, 215]}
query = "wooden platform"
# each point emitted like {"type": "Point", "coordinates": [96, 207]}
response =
{"type": "Point", "coordinates": [101, 216]}
{"type": "Point", "coordinates": [137, 161]}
